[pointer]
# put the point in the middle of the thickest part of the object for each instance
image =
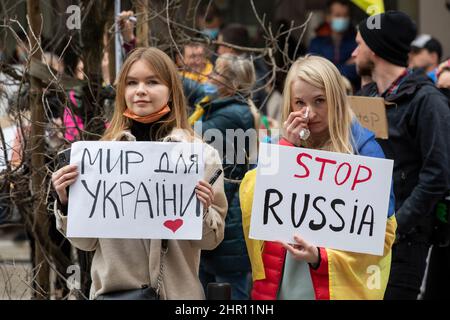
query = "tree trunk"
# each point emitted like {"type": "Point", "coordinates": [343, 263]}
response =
{"type": "Point", "coordinates": [92, 31]}
{"type": "Point", "coordinates": [110, 47]}
{"type": "Point", "coordinates": [41, 221]}
{"type": "Point", "coordinates": [92, 35]}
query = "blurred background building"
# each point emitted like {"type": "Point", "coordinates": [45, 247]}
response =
{"type": "Point", "coordinates": [432, 16]}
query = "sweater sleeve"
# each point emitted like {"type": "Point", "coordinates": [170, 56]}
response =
{"type": "Point", "coordinates": [85, 244]}
{"type": "Point", "coordinates": [214, 219]}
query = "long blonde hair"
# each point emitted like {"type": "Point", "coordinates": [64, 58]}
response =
{"type": "Point", "coordinates": [322, 74]}
{"type": "Point", "coordinates": [165, 70]}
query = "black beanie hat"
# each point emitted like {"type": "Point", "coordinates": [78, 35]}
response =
{"type": "Point", "coordinates": [389, 36]}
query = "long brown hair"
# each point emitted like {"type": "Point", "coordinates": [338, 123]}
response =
{"type": "Point", "coordinates": [166, 72]}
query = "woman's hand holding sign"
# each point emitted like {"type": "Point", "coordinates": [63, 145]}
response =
{"type": "Point", "coordinates": [205, 194]}
{"type": "Point", "coordinates": [302, 250]}
{"type": "Point", "coordinates": [63, 178]}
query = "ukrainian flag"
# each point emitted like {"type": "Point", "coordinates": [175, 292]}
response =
{"type": "Point", "coordinates": [371, 7]}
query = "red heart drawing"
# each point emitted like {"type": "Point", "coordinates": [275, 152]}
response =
{"type": "Point", "coordinates": [173, 225]}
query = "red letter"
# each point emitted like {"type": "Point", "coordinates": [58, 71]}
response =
{"type": "Point", "coordinates": [363, 180]}
{"type": "Point", "coordinates": [346, 177]}
{"type": "Point", "coordinates": [299, 161]}
{"type": "Point", "coordinates": [324, 161]}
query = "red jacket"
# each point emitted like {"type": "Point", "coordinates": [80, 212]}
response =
{"type": "Point", "coordinates": [274, 256]}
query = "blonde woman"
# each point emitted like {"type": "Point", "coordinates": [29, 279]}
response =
{"type": "Point", "coordinates": [316, 115]}
{"type": "Point", "coordinates": [150, 106]}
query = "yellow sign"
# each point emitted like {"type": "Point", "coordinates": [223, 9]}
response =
{"type": "Point", "coordinates": [371, 7]}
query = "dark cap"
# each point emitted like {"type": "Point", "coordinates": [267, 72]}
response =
{"type": "Point", "coordinates": [389, 36]}
{"type": "Point", "coordinates": [426, 41]}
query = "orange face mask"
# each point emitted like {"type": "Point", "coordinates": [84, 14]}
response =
{"type": "Point", "coordinates": [148, 118]}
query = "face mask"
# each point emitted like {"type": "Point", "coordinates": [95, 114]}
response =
{"type": "Point", "coordinates": [210, 90]}
{"type": "Point", "coordinates": [211, 33]}
{"type": "Point", "coordinates": [340, 24]}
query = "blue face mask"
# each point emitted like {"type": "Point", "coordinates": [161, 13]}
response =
{"type": "Point", "coordinates": [340, 24]}
{"type": "Point", "coordinates": [208, 92]}
{"type": "Point", "coordinates": [210, 89]}
{"type": "Point", "coordinates": [211, 33]}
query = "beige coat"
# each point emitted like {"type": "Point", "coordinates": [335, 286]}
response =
{"type": "Point", "coordinates": [121, 264]}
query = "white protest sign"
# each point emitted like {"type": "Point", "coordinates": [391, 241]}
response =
{"type": "Point", "coordinates": [333, 200]}
{"type": "Point", "coordinates": [136, 190]}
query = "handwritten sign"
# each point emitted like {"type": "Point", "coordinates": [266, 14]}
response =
{"type": "Point", "coordinates": [371, 113]}
{"type": "Point", "coordinates": [333, 200]}
{"type": "Point", "coordinates": [142, 190]}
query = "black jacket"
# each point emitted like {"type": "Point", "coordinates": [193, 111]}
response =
{"type": "Point", "coordinates": [419, 136]}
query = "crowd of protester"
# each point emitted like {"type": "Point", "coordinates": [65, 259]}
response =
{"type": "Point", "coordinates": [226, 87]}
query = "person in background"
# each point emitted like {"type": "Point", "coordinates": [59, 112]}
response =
{"type": "Point", "coordinates": [236, 34]}
{"type": "Point", "coordinates": [126, 26]}
{"type": "Point", "coordinates": [74, 114]}
{"type": "Point", "coordinates": [419, 131]}
{"type": "Point", "coordinates": [234, 78]}
{"type": "Point", "coordinates": [194, 62]}
{"type": "Point", "coordinates": [426, 54]}
{"type": "Point", "coordinates": [195, 71]}
{"type": "Point", "coordinates": [302, 271]}
{"type": "Point", "coordinates": [209, 20]}
{"type": "Point", "coordinates": [336, 40]}
{"type": "Point", "coordinates": [443, 74]}
{"type": "Point", "coordinates": [437, 280]}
